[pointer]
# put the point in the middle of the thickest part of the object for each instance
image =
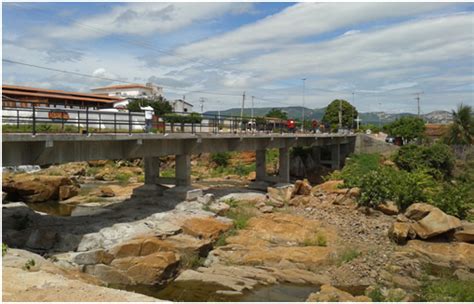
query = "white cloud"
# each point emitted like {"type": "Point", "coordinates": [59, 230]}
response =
{"type": "Point", "coordinates": [297, 21]}
{"type": "Point", "coordinates": [144, 19]}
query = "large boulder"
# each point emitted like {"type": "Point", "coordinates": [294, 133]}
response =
{"type": "Point", "coordinates": [435, 223]}
{"type": "Point", "coordinates": [400, 232]}
{"type": "Point", "coordinates": [302, 187]}
{"type": "Point", "coordinates": [418, 211]}
{"type": "Point", "coordinates": [35, 188]}
{"type": "Point", "coordinates": [281, 195]}
{"type": "Point", "coordinates": [67, 191]}
{"type": "Point", "coordinates": [205, 227]}
{"type": "Point", "coordinates": [466, 234]}
{"type": "Point", "coordinates": [331, 186]}
{"type": "Point", "coordinates": [150, 269]}
{"type": "Point", "coordinates": [329, 293]}
{"type": "Point", "coordinates": [388, 207]}
{"type": "Point", "coordinates": [449, 255]}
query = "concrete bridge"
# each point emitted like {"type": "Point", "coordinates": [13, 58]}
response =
{"type": "Point", "coordinates": [22, 149]}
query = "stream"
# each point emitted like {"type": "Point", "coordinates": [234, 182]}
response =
{"type": "Point", "coordinates": [204, 292]}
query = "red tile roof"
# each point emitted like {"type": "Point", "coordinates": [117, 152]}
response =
{"type": "Point", "coordinates": [123, 86]}
{"type": "Point", "coordinates": [10, 90]}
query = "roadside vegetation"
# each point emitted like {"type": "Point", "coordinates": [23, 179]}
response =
{"type": "Point", "coordinates": [433, 173]}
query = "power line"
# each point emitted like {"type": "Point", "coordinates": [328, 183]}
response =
{"type": "Point", "coordinates": [104, 78]}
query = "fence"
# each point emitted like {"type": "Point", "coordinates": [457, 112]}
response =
{"type": "Point", "coordinates": [59, 120]}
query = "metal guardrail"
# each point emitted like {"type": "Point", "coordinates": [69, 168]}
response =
{"type": "Point", "coordinates": [60, 120]}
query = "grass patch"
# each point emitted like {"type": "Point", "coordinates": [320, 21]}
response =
{"type": "Point", "coordinates": [122, 177]}
{"type": "Point", "coordinates": [376, 294]}
{"type": "Point", "coordinates": [240, 216]}
{"type": "Point", "coordinates": [348, 255]}
{"type": "Point", "coordinates": [92, 171]}
{"type": "Point", "coordinates": [192, 261]}
{"type": "Point", "coordinates": [318, 240]}
{"type": "Point", "coordinates": [167, 173]}
{"type": "Point", "coordinates": [222, 240]}
{"type": "Point", "coordinates": [4, 249]}
{"type": "Point", "coordinates": [447, 290]}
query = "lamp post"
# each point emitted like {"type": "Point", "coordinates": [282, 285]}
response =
{"type": "Point", "coordinates": [302, 118]}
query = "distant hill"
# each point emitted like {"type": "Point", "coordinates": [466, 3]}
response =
{"type": "Point", "coordinates": [368, 117]}
{"type": "Point", "coordinates": [293, 112]}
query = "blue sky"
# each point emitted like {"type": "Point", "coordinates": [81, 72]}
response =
{"type": "Point", "coordinates": [383, 52]}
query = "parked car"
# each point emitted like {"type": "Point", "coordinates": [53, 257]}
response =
{"type": "Point", "coordinates": [390, 139]}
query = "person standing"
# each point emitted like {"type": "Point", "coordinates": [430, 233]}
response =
{"type": "Point", "coordinates": [148, 118]}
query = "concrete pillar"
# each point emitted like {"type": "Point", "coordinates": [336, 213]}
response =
{"type": "Point", "coordinates": [335, 156]}
{"type": "Point", "coordinates": [316, 154]}
{"type": "Point", "coordinates": [152, 170]}
{"type": "Point", "coordinates": [344, 152]}
{"type": "Point", "coordinates": [261, 164]}
{"type": "Point", "coordinates": [183, 170]}
{"type": "Point", "coordinates": [284, 162]}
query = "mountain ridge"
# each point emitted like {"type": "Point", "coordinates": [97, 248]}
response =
{"type": "Point", "coordinates": [380, 117]}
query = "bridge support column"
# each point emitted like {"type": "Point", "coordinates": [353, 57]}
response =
{"type": "Point", "coordinates": [316, 154]}
{"type": "Point", "coordinates": [183, 170]}
{"type": "Point", "coordinates": [335, 156]}
{"type": "Point", "coordinates": [344, 149]}
{"type": "Point", "coordinates": [152, 170]}
{"type": "Point", "coordinates": [261, 165]}
{"type": "Point", "coordinates": [284, 167]}
{"type": "Point", "coordinates": [152, 173]}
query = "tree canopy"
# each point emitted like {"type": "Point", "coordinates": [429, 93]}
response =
{"type": "Point", "coordinates": [277, 113]}
{"type": "Point", "coordinates": [461, 131]}
{"type": "Point", "coordinates": [159, 104]}
{"type": "Point", "coordinates": [408, 128]}
{"type": "Point", "coordinates": [349, 113]}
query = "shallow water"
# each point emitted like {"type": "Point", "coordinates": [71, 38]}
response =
{"type": "Point", "coordinates": [200, 292]}
{"type": "Point", "coordinates": [60, 209]}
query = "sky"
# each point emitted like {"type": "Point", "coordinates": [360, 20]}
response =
{"type": "Point", "coordinates": [375, 55]}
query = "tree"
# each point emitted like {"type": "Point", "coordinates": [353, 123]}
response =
{"type": "Point", "coordinates": [277, 113]}
{"type": "Point", "coordinates": [408, 128]}
{"type": "Point", "coordinates": [461, 131]}
{"type": "Point", "coordinates": [159, 104]}
{"type": "Point", "coordinates": [331, 116]}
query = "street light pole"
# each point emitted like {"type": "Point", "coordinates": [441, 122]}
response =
{"type": "Point", "coordinates": [302, 118]}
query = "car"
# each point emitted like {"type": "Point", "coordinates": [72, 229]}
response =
{"type": "Point", "coordinates": [390, 139]}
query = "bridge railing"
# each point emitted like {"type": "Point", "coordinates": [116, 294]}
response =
{"type": "Point", "coordinates": [61, 120]}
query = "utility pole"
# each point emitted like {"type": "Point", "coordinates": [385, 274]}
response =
{"type": "Point", "coordinates": [201, 100]}
{"type": "Point", "coordinates": [242, 111]}
{"type": "Point", "coordinates": [252, 120]}
{"type": "Point", "coordinates": [352, 110]}
{"type": "Point", "coordinates": [340, 113]}
{"type": "Point", "coordinates": [302, 118]}
{"type": "Point", "coordinates": [417, 98]}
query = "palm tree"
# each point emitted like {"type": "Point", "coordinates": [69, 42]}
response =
{"type": "Point", "coordinates": [461, 132]}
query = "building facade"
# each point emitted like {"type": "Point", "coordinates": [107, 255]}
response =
{"type": "Point", "coordinates": [181, 106]}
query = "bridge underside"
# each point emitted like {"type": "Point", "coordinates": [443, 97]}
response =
{"type": "Point", "coordinates": [56, 149]}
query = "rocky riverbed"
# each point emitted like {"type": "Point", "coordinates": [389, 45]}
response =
{"type": "Point", "coordinates": [292, 243]}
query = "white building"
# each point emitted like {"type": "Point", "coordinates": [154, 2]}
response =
{"type": "Point", "coordinates": [181, 106]}
{"type": "Point", "coordinates": [130, 91]}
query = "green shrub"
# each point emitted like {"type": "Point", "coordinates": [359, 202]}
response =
{"type": "Point", "coordinates": [455, 199]}
{"type": "Point", "coordinates": [221, 158]}
{"type": "Point", "coordinates": [29, 264]}
{"type": "Point", "coordinates": [357, 166]}
{"type": "Point", "coordinates": [437, 159]}
{"type": "Point", "coordinates": [179, 118]}
{"type": "Point", "coordinates": [376, 294]}
{"type": "Point", "coordinates": [4, 249]}
{"type": "Point", "coordinates": [387, 183]}
{"type": "Point", "coordinates": [123, 177]}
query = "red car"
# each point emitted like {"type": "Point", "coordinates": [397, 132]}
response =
{"type": "Point", "coordinates": [290, 124]}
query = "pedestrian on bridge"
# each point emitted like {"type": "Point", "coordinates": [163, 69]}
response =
{"type": "Point", "coordinates": [148, 118]}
